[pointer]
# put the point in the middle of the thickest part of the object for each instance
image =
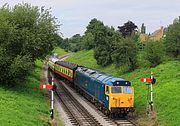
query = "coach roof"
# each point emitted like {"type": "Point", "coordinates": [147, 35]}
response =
{"type": "Point", "coordinates": [67, 64]}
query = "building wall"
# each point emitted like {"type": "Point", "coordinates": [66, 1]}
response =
{"type": "Point", "coordinates": [155, 36]}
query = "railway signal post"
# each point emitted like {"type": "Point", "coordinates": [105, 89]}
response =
{"type": "Point", "coordinates": [151, 93]}
{"type": "Point", "coordinates": [52, 87]}
{"type": "Point", "coordinates": [151, 81]}
{"type": "Point", "coordinates": [52, 99]}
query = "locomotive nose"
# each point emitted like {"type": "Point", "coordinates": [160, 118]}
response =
{"type": "Point", "coordinates": [123, 101]}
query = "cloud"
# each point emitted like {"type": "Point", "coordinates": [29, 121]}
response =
{"type": "Point", "coordinates": [76, 14]}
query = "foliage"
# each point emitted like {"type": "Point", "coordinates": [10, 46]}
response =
{"type": "Point", "coordinates": [102, 51]}
{"type": "Point", "coordinates": [65, 45]}
{"type": "Point", "coordinates": [72, 44]}
{"type": "Point", "coordinates": [26, 33]}
{"type": "Point", "coordinates": [110, 46]}
{"type": "Point", "coordinates": [75, 43]}
{"type": "Point", "coordinates": [99, 37]}
{"type": "Point", "coordinates": [88, 41]}
{"type": "Point", "coordinates": [127, 29]}
{"type": "Point", "coordinates": [172, 42]}
{"type": "Point", "coordinates": [94, 26]}
{"type": "Point", "coordinates": [125, 53]}
{"type": "Point", "coordinates": [102, 56]}
{"type": "Point", "coordinates": [154, 52]}
{"type": "Point", "coordinates": [58, 39]}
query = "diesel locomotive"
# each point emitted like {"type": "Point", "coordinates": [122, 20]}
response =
{"type": "Point", "coordinates": [110, 94]}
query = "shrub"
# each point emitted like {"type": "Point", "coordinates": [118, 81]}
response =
{"type": "Point", "coordinates": [173, 39]}
{"type": "Point", "coordinates": [154, 52]}
{"type": "Point", "coordinates": [125, 53]}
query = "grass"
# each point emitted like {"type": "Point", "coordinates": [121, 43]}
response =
{"type": "Point", "coordinates": [60, 51]}
{"type": "Point", "coordinates": [24, 104]}
{"type": "Point", "coordinates": [166, 90]}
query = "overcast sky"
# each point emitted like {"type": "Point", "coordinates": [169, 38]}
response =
{"type": "Point", "coordinates": [74, 15]}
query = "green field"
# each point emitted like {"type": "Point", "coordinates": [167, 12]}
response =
{"type": "Point", "coordinates": [60, 51]}
{"type": "Point", "coordinates": [166, 89]}
{"type": "Point", "coordinates": [24, 104]}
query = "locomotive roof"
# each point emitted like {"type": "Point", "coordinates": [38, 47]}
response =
{"type": "Point", "coordinates": [67, 64]}
{"type": "Point", "coordinates": [103, 77]}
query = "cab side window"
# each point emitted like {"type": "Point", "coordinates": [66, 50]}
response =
{"type": "Point", "coordinates": [107, 90]}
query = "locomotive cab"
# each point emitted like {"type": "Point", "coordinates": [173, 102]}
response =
{"type": "Point", "coordinates": [121, 98]}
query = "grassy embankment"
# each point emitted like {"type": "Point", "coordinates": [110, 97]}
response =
{"type": "Point", "coordinates": [166, 90]}
{"type": "Point", "coordinates": [24, 104]}
{"type": "Point", "coordinates": [59, 51]}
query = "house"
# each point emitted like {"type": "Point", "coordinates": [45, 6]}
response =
{"type": "Point", "coordinates": [155, 36]}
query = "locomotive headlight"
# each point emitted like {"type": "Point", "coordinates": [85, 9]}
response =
{"type": "Point", "coordinates": [107, 98]}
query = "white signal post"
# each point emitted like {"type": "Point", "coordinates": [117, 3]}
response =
{"type": "Point", "coordinates": [151, 93]}
{"type": "Point", "coordinates": [52, 99]}
{"type": "Point", "coordinates": [48, 86]}
{"type": "Point", "coordinates": [151, 81]}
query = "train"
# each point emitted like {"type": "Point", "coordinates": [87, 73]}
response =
{"type": "Point", "coordinates": [112, 95]}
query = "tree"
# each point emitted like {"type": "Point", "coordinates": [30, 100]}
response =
{"type": "Point", "coordinates": [154, 52]}
{"type": "Point", "coordinates": [27, 33]}
{"type": "Point", "coordinates": [75, 43]}
{"type": "Point", "coordinates": [94, 26]}
{"type": "Point", "coordinates": [172, 42]}
{"type": "Point", "coordinates": [65, 44]}
{"type": "Point", "coordinates": [143, 29]}
{"type": "Point", "coordinates": [102, 55]}
{"type": "Point", "coordinates": [88, 41]}
{"type": "Point", "coordinates": [102, 51]}
{"type": "Point", "coordinates": [127, 29]}
{"type": "Point", "coordinates": [124, 52]}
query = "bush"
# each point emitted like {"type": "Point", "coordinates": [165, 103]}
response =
{"type": "Point", "coordinates": [102, 56]}
{"type": "Point", "coordinates": [21, 67]}
{"type": "Point", "coordinates": [173, 39]}
{"type": "Point", "coordinates": [125, 53]}
{"type": "Point", "coordinates": [154, 52]}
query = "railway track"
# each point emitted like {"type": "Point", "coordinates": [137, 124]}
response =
{"type": "Point", "coordinates": [77, 114]}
